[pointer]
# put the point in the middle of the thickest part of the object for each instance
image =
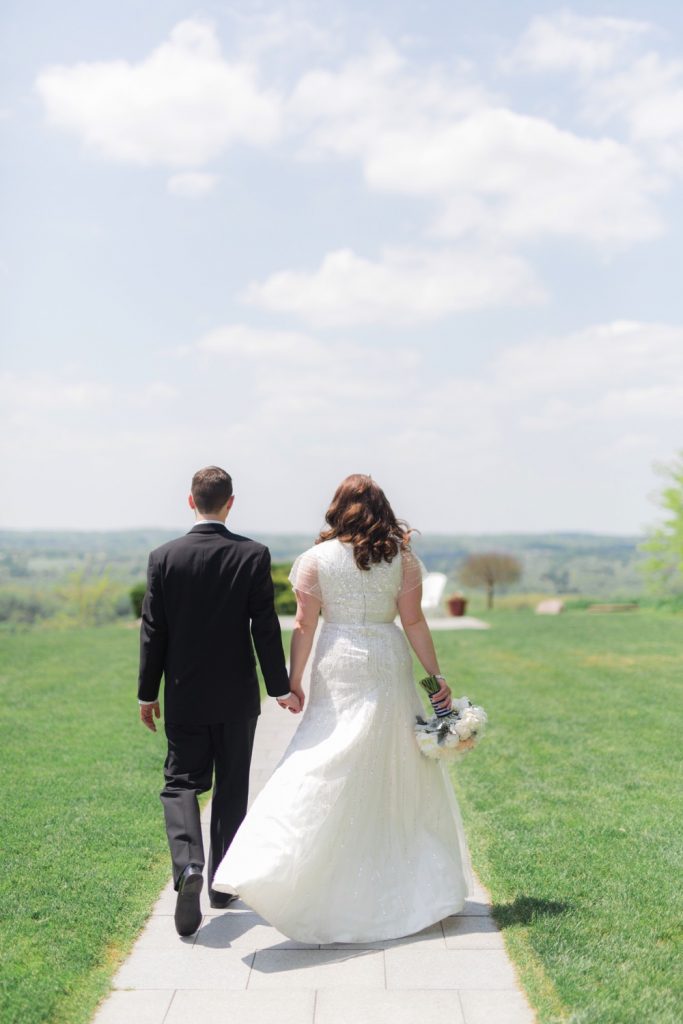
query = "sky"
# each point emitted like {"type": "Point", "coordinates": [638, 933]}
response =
{"type": "Point", "coordinates": [435, 242]}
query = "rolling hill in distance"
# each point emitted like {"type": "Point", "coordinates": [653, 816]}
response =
{"type": "Point", "coordinates": [600, 565]}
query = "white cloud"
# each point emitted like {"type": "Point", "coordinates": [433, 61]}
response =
{"type": "Point", "coordinates": [663, 401]}
{"type": "Point", "coordinates": [158, 391]}
{"type": "Point", "coordinates": [626, 446]}
{"type": "Point", "coordinates": [283, 367]}
{"type": "Point", "coordinates": [378, 92]}
{"type": "Point", "coordinates": [618, 79]}
{"type": "Point", "coordinates": [23, 396]}
{"type": "Point", "coordinates": [491, 170]}
{"type": "Point", "coordinates": [622, 372]}
{"type": "Point", "coordinates": [598, 355]}
{"type": "Point", "coordinates": [506, 174]}
{"type": "Point", "coordinates": [566, 41]}
{"type": "Point", "coordinates": [405, 286]}
{"type": "Point", "coordinates": [284, 32]}
{"type": "Point", "coordinates": [614, 375]}
{"type": "Point", "coordinates": [181, 105]}
{"type": "Point", "coordinates": [420, 131]}
{"type": "Point", "coordinates": [555, 433]}
{"type": "Point", "coordinates": [242, 340]}
{"type": "Point", "coordinates": [192, 185]}
{"type": "Point", "coordinates": [648, 97]}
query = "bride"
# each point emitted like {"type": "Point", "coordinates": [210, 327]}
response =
{"type": "Point", "coordinates": [356, 836]}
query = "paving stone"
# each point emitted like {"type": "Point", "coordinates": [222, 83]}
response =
{"type": "Point", "coordinates": [449, 968]}
{"type": "Point", "coordinates": [431, 938]}
{"type": "Point", "coordinates": [475, 932]}
{"type": "Point", "coordinates": [185, 969]}
{"type": "Point", "coordinates": [147, 1007]}
{"type": "Point", "coordinates": [474, 906]}
{"type": "Point", "coordinates": [165, 904]}
{"type": "Point", "coordinates": [503, 1007]}
{"type": "Point", "coordinates": [241, 1008]}
{"type": "Point", "coordinates": [244, 930]}
{"type": "Point", "coordinates": [159, 934]}
{"type": "Point", "coordinates": [238, 906]}
{"type": "Point", "coordinates": [349, 1006]}
{"type": "Point", "coordinates": [317, 968]}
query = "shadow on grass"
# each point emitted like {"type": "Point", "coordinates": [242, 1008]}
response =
{"type": "Point", "coordinates": [525, 909]}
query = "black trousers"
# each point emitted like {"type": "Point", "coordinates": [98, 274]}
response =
{"type": "Point", "coordinates": [198, 755]}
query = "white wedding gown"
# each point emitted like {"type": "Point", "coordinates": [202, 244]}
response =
{"type": "Point", "coordinates": [356, 836]}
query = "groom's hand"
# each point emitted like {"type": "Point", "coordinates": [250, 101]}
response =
{"type": "Point", "coordinates": [148, 712]}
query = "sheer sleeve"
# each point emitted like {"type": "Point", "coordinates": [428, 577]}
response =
{"type": "Point", "coordinates": [304, 574]}
{"type": "Point", "coordinates": [414, 572]}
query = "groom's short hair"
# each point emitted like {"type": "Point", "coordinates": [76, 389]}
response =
{"type": "Point", "coordinates": [211, 488]}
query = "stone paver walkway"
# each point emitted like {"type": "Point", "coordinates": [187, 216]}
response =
{"type": "Point", "coordinates": [239, 969]}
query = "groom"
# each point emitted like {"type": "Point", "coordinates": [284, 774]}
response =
{"type": "Point", "coordinates": [206, 593]}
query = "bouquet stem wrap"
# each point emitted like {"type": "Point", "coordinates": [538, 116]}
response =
{"type": "Point", "coordinates": [449, 734]}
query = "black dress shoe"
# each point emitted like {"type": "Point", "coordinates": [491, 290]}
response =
{"type": "Point", "coordinates": [221, 900]}
{"type": "Point", "coordinates": [188, 916]}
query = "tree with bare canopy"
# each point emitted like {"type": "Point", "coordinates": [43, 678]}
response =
{"type": "Point", "coordinates": [487, 569]}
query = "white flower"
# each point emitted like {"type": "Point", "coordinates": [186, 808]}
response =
{"type": "Point", "coordinates": [428, 743]}
{"type": "Point", "coordinates": [479, 716]}
{"type": "Point", "coordinates": [464, 729]}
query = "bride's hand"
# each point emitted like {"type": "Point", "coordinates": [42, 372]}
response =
{"type": "Point", "coordinates": [298, 692]}
{"type": "Point", "coordinates": [442, 697]}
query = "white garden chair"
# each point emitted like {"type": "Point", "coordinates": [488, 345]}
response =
{"type": "Point", "coordinates": [433, 586]}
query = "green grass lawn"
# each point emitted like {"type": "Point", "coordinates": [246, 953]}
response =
{"type": "Point", "coordinates": [572, 805]}
{"type": "Point", "coordinates": [83, 846]}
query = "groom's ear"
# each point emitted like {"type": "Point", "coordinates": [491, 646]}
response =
{"type": "Point", "coordinates": [190, 501]}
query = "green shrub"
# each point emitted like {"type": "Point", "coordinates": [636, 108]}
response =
{"type": "Point", "coordinates": [137, 595]}
{"type": "Point", "coordinates": [285, 601]}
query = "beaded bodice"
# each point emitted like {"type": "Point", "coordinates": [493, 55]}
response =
{"type": "Point", "coordinates": [348, 594]}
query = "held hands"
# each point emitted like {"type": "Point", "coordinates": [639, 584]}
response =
{"type": "Point", "coordinates": [294, 701]}
{"type": "Point", "coordinates": [148, 712]}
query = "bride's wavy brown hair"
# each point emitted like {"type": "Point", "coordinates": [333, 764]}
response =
{"type": "Point", "coordinates": [360, 514]}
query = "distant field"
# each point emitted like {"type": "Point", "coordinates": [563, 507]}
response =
{"type": "Point", "coordinates": [572, 805]}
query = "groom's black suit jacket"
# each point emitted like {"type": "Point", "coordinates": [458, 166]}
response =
{"type": "Point", "coordinates": [206, 593]}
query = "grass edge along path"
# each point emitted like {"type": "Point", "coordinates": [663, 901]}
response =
{"type": "Point", "coordinates": [573, 806]}
{"type": "Point", "coordinates": [82, 836]}
{"type": "Point", "coordinates": [81, 825]}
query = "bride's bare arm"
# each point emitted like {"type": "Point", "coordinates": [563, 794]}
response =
{"type": "Point", "coordinates": [307, 613]}
{"type": "Point", "coordinates": [420, 639]}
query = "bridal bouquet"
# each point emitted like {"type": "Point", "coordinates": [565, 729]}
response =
{"type": "Point", "coordinates": [449, 734]}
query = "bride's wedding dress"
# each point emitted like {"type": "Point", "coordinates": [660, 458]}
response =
{"type": "Point", "coordinates": [356, 836]}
